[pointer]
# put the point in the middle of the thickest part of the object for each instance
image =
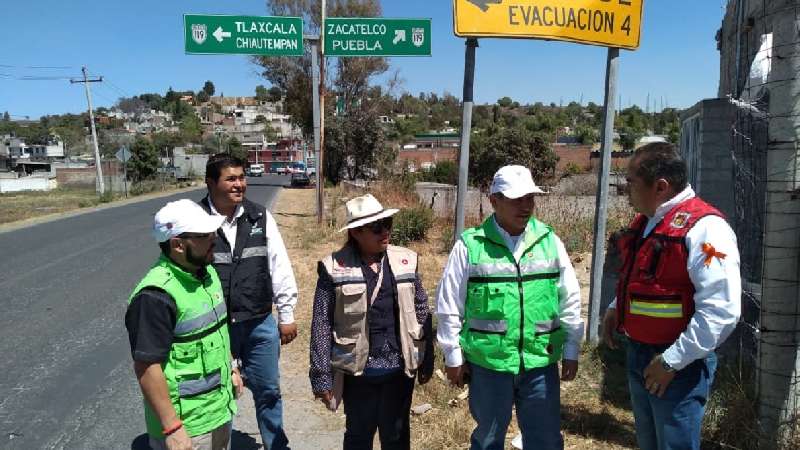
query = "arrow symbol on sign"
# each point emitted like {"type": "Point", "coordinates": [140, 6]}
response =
{"type": "Point", "coordinates": [399, 36]}
{"type": "Point", "coordinates": [220, 35]}
{"type": "Point", "coordinates": [484, 4]}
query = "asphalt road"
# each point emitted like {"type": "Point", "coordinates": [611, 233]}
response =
{"type": "Point", "coordinates": [67, 379]}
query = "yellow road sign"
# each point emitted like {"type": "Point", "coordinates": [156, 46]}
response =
{"type": "Point", "coordinates": [610, 23]}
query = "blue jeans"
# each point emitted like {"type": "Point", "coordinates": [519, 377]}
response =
{"type": "Point", "coordinates": [258, 344]}
{"type": "Point", "coordinates": [536, 395]}
{"type": "Point", "coordinates": [673, 421]}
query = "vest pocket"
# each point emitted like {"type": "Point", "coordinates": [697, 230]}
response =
{"type": "Point", "coordinates": [186, 364]}
{"type": "Point", "coordinates": [487, 301]}
{"type": "Point", "coordinates": [343, 353]}
{"type": "Point", "coordinates": [350, 310]}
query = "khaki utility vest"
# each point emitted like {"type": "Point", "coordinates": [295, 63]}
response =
{"type": "Point", "coordinates": [350, 328]}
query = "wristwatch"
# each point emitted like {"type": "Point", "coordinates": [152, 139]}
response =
{"type": "Point", "coordinates": [665, 365]}
{"type": "Point", "coordinates": [236, 364]}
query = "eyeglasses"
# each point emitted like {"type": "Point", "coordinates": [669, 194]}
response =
{"type": "Point", "coordinates": [378, 226]}
{"type": "Point", "coordinates": [197, 235]}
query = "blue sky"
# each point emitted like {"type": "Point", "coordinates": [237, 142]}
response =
{"type": "Point", "coordinates": [138, 47]}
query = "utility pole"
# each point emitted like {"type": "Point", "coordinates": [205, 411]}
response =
{"type": "Point", "coordinates": [100, 185]}
{"type": "Point", "coordinates": [318, 98]}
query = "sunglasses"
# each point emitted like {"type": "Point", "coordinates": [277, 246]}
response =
{"type": "Point", "coordinates": [379, 226]}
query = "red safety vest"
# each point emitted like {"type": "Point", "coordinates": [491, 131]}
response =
{"type": "Point", "coordinates": [655, 296]}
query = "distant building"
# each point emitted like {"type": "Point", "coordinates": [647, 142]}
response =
{"type": "Point", "coordinates": [280, 155]}
{"type": "Point", "coordinates": [437, 140]}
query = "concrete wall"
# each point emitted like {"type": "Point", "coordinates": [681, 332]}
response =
{"type": "Point", "coordinates": [706, 146]}
{"type": "Point", "coordinates": [24, 184]}
{"type": "Point", "coordinates": [85, 178]}
{"type": "Point", "coordinates": [442, 198]}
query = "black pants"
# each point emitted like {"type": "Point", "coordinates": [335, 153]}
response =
{"type": "Point", "coordinates": [382, 403]}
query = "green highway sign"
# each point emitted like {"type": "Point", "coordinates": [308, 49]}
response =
{"type": "Point", "coordinates": [377, 36]}
{"type": "Point", "coordinates": [243, 35]}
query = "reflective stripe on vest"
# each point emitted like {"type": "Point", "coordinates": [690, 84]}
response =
{"type": "Point", "coordinates": [503, 268]}
{"type": "Point", "coordinates": [196, 387]}
{"type": "Point", "coordinates": [659, 310]}
{"type": "Point", "coordinates": [548, 326]}
{"type": "Point", "coordinates": [252, 252]}
{"type": "Point", "coordinates": [198, 323]}
{"type": "Point", "coordinates": [405, 278]}
{"type": "Point", "coordinates": [488, 326]}
{"type": "Point", "coordinates": [223, 258]}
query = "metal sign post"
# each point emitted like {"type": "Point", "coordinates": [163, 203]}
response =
{"type": "Point", "coordinates": [124, 155]}
{"type": "Point", "coordinates": [601, 212]}
{"type": "Point", "coordinates": [466, 129]}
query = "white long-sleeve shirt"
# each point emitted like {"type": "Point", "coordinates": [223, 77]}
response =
{"type": "Point", "coordinates": [284, 286]}
{"type": "Point", "coordinates": [718, 287]}
{"type": "Point", "coordinates": [451, 296]}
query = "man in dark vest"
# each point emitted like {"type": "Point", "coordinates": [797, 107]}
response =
{"type": "Point", "coordinates": [255, 272]}
{"type": "Point", "coordinates": [678, 298]}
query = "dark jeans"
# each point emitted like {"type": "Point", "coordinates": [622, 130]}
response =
{"type": "Point", "coordinates": [536, 395]}
{"type": "Point", "coordinates": [258, 344]}
{"type": "Point", "coordinates": [377, 402]}
{"type": "Point", "coordinates": [671, 422]}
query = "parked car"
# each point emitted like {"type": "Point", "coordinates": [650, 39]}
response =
{"type": "Point", "coordinates": [300, 179]}
{"type": "Point", "coordinates": [255, 170]}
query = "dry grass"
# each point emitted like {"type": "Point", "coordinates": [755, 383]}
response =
{"type": "Point", "coordinates": [31, 204]}
{"type": "Point", "coordinates": [26, 205]}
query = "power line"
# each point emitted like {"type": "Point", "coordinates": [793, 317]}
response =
{"type": "Point", "coordinates": [39, 67]}
{"type": "Point", "coordinates": [117, 88]}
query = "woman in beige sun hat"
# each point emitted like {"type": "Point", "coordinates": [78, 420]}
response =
{"type": "Point", "coordinates": [371, 330]}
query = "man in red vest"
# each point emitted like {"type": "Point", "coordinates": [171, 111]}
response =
{"type": "Point", "coordinates": [678, 298]}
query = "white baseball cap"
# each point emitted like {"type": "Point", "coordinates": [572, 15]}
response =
{"type": "Point", "coordinates": [514, 182]}
{"type": "Point", "coordinates": [183, 216]}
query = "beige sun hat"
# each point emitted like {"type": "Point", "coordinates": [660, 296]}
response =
{"type": "Point", "coordinates": [365, 209]}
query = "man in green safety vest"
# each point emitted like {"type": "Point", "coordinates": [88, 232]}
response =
{"type": "Point", "coordinates": [178, 332]}
{"type": "Point", "coordinates": [509, 310]}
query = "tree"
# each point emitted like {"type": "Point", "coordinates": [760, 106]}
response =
{"type": "Point", "coordinates": [444, 172]}
{"type": "Point", "coordinates": [270, 133]}
{"type": "Point", "coordinates": [72, 138]}
{"type": "Point", "coordinates": [208, 88]}
{"type": "Point", "coordinates": [355, 146]}
{"type": "Point", "coordinates": [144, 160]}
{"type": "Point", "coordinates": [505, 102]}
{"type": "Point", "coordinates": [167, 141]}
{"type": "Point", "coordinates": [629, 137]}
{"type": "Point", "coordinates": [293, 75]}
{"type": "Point", "coordinates": [586, 135]}
{"type": "Point", "coordinates": [191, 128]}
{"type": "Point", "coordinates": [509, 146]}
{"type": "Point", "coordinates": [262, 94]}
{"type": "Point", "coordinates": [202, 97]}
{"type": "Point", "coordinates": [275, 94]}
{"type": "Point", "coordinates": [235, 149]}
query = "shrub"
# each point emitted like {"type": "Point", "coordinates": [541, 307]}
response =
{"type": "Point", "coordinates": [411, 224]}
{"type": "Point", "coordinates": [572, 169]}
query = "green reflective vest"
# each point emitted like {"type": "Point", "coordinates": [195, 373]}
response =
{"type": "Point", "coordinates": [511, 319]}
{"type": "Point", "coordinates": [198, 367]}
